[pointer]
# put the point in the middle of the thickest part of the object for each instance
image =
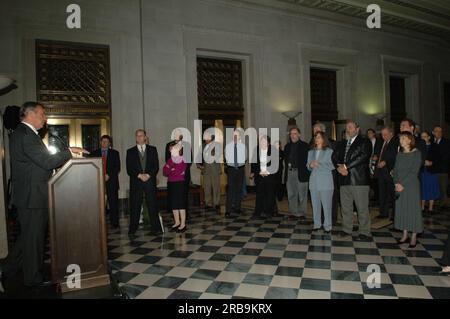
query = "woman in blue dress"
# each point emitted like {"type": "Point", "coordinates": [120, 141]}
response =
{"type": "Point", "coordinates": [429, 180]}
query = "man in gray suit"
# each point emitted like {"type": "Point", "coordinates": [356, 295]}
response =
{"type": "Point", "coordinates": [31, 167]}
{"type": "Point", "coordinates": [211, 173]}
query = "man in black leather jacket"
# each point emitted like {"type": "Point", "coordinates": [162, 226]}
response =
{"type": "Point", "coordinates": [353, 157]}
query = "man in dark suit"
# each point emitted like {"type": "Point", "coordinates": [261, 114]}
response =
{"type": "Point", "coordinates": [178, 137]}
{"type": "Point", "coordinates": [376, 144]}
{"type": "Point", "coordinates": [297, 174]}
{"type": "Point", "coordinates": [142, 167]}
{"type": "Point", "coordinates": [31, 167]}
{"type": "Point", "coordinates": [442, 163]}
{"type": "Point", "coordinates": [386, 157]}
{"type": "Point", "coordinates": [111, 169]}
{"type": "Point", "coordinates": [353, 156]}
{"type": "Point", "coordinates": [408, 125]}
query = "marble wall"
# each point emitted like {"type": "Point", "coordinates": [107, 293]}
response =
{"type": "Point", "coordinates": [277, 49]}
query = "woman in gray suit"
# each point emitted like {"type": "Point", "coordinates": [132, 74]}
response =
{"type": "Point", "coordinates": [321, 183]}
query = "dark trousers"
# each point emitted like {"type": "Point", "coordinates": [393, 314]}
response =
{"type": "Point", "coordinates": [445, 261]}
{"type": "Point", "coordinates": [112, 194]}
{"type": "Point", "coordinates": [235, 179]}
{"type": "Point", "coordinates": [280, 188]}
{"type": "Point", "coordinates": [265, 195]}
{"type": "Point", "coordinates": [376, 190]}
{"type": "Point", "coordinates": [279, 191]}
{"type": "Point", "coordinates": [28, 251]}
{"type": "Point", "coordinates": [136, 199]}
{"type": "Point", "coordinates": [386, 194]}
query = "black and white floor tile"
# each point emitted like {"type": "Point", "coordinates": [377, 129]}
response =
{"type": "Point", "coordinates": [244, 257]}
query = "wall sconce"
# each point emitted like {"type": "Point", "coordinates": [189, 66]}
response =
{"type": "Point", "coordinates": [380, 120]}
{"type": "Point", "coordinates": [292, 122]}
{"type": "Point", "coordinates": [7, 84]}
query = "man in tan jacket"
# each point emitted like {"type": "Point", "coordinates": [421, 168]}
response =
{"type": "Point", "coordinates": [211, 171]}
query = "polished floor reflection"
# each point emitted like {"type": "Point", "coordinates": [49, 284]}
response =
{"type": "Point", "coordinates": [244, 257]}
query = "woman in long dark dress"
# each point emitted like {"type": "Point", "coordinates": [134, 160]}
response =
{"type": "Point", "coordinates": [429, 180]}
{"type": "Point", "coordinates": [408, 213]}
{"type": "Point", "coordinates": [262, 171]}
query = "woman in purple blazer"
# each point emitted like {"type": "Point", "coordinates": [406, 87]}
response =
{"type": "Point", "coordinates": [174, 170]}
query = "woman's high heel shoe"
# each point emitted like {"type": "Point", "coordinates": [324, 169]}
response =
{"type": "Point", "coordinates": [174, 228]}
{"type": "Point", "coordinates": [411, 246]}
{"type": "Point", "coordinates": [402, 241]}
{"type": "Point", "coordinates": [181, 230]}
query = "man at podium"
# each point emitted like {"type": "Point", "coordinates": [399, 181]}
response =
{"type": "Point", "coordinates": [32, 166]}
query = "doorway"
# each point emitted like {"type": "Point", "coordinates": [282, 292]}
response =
{"type": "Point", "coordinates": [84, 132]}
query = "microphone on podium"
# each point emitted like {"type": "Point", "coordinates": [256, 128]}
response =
{"type": "Point", "coordinates": [60, 140]}
{"type": "Point", "coordinates": [67, 147]}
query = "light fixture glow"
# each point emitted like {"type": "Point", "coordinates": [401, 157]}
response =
{"type": "Point", "coordinates": [52, 150]}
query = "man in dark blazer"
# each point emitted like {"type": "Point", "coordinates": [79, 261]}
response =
{"type": "Point", "coordinates": [31, 167]}
{"type": "Point", "coordinates": [142, 167]}
{"type": "Point", "coordinates": [111, 169]}
{"type": "Point", "coordinates": [408, 125]}
{"type": "Point", "coordinates": [386, 157]}
{"type": "Point", "coordinates": [376, 143]}
{"type": "Point", "coordinates": [297, 174]}
{"type": "Point", "coordinates": [441, 165]}
{"type": "Point", "coordinates": [353, 156]}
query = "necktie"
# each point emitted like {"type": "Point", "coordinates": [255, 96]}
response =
{"type": "Point", "coordinates": [347, 147]}
{"type": "Point", "coordinates": [382, 150]}
{"type": "Point", "coordinates": [235, 156]}
{"type": "Point", "coordinates": [104, 161]}
{"type": "Point", "coordinates": [141, 150]}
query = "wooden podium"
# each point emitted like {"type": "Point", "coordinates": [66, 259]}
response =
{"type": "Point", "coordinates": [77, 224]}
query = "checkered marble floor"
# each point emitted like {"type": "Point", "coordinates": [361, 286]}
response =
{"type": "Point", "coordinates": [244, 257]}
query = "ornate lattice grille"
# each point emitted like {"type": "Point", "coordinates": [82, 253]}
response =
{"type": "Point", "coordinates": [73, 77]}
{"type": "Point", "coordinates": [323, 95]}
{"type": "Point", "coordinates": [219, 85]}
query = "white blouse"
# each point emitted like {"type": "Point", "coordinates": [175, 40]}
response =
{"type": "Point", "coordinates": [263, 161]}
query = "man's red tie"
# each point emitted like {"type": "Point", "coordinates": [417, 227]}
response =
{"type": "Point", "coordinates": [104, 162]}
{"type": "Point", "coordinates": [382, 151]}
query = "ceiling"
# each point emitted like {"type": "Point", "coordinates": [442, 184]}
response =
{"type": "Point", "coordinates": [429, 19]}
